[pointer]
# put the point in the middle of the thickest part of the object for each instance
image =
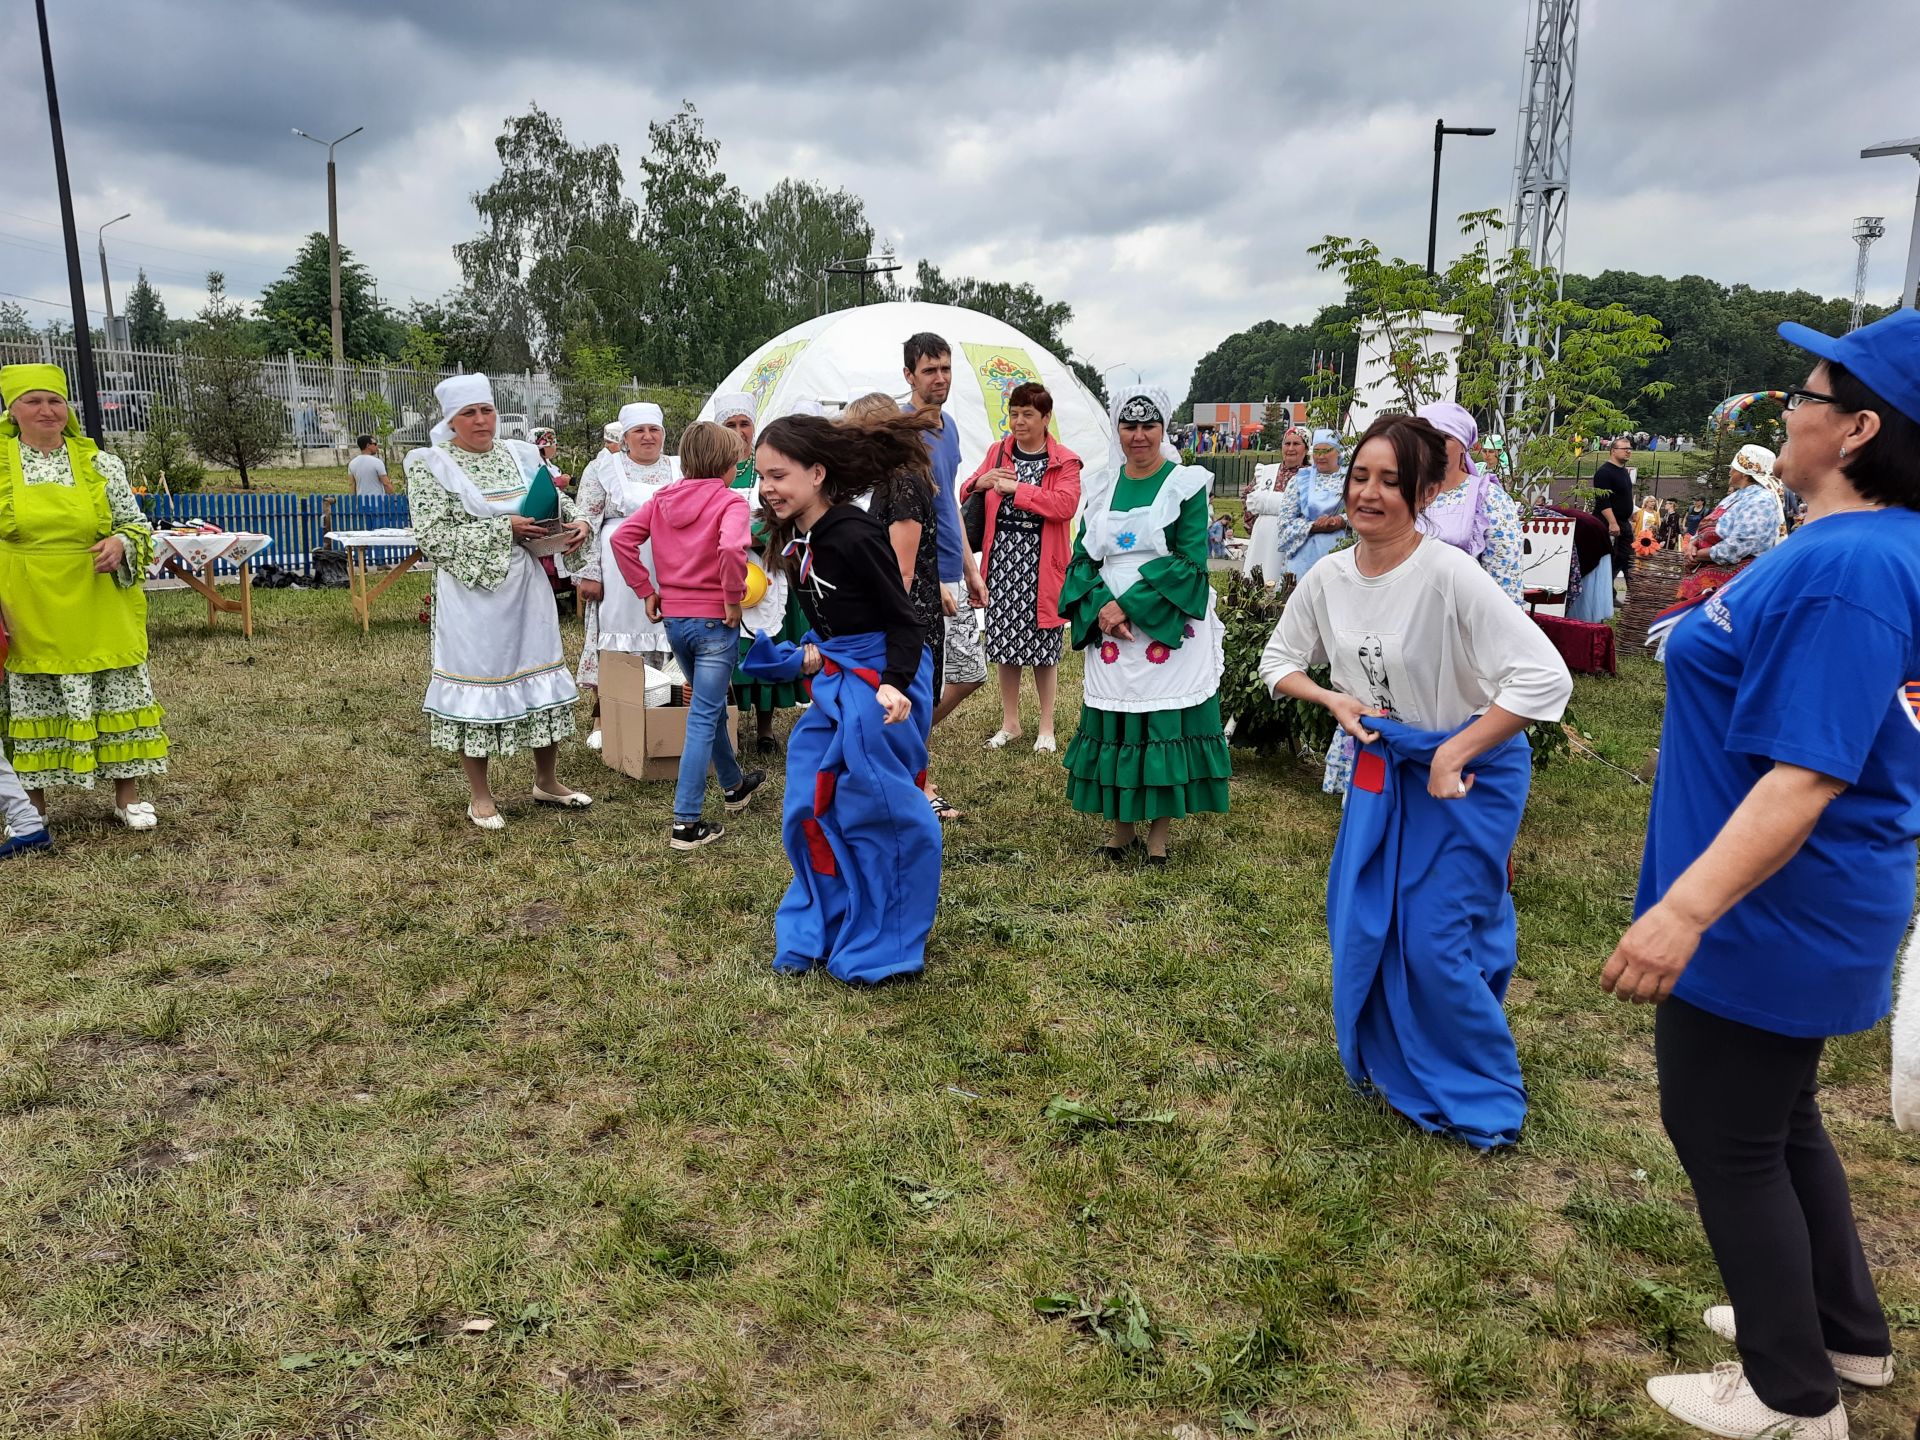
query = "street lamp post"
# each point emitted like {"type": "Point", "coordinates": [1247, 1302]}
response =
{"type": "Point", "coordinates": [1904, 147]}
{"type": "Point", "coordinates": [333, 234]}
{"type": "Point", "coordinates": [106, 285]}
{"type": "Point", "coordinates": [1440, 132]}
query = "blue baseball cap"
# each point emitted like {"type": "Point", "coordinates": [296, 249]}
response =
{"type": "Point", "coordinates": [1884, 355]}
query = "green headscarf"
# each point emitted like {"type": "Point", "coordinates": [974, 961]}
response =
{"type": "Point", "coordinates": [17, 380]}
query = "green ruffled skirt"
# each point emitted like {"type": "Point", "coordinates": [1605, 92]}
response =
{"type": "Point", "coordinates": [1140, 766]}
{"type": "Point", "coordinates": [752, 694]}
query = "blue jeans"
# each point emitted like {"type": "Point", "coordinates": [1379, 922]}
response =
{"type": "Point", "coordinates": [707, 651]}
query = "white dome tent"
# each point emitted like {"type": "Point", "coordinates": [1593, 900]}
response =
{"type": "Point", "coordinates": [838, 357]}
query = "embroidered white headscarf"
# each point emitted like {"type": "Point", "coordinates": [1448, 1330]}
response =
{"type": "Point", "coordinates": [455, 393]}
{"type": "Point", "coordinates": [730, 403]}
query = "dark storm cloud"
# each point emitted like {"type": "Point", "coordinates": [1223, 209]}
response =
{"type": "Point", "coordinates": [1162, 168]}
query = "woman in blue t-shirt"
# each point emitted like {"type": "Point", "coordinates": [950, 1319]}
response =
{"type": "Point", "coordinates": [1778, 881]}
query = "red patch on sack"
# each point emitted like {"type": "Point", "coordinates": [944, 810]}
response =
{"type": "Point", "coordinates": [819, 853]}
{"type": "Point", "coordinates": [872, 677]}
{"type": "Point", "coordinates": [823, 784]}
{"type": "Point", "coordinates": [828, 667]}
{"type": "Point", "coordinates": [920, 781]}
{"type": "Point", "coordinates": [1369, 772]}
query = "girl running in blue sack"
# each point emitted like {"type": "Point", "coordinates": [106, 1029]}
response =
{"type": "Point", "coordinates": [865, 848]}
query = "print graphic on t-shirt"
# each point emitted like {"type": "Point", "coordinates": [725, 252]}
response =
{"type": "Point", "coordinates": [1365, 665]}
{"type": "Point", "coordinates": [1909, 699]}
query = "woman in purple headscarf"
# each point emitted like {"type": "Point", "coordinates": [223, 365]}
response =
{"type": "Point", "coordinates": [1473, 512]}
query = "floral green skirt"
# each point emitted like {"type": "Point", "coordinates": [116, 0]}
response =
{"type": "Point", "coordinates": [69, 729]}
{"type": "Point", "coordinates": [533, 731]}
{"type": "Point", "coordinates": [752, 694]}
{"type": "Point", "coordinates": [1139, 766]}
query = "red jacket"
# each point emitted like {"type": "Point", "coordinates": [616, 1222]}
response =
{"type": "Point", "coordinates": [1054, 500]}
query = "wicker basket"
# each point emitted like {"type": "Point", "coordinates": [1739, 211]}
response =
{"type": "Point", "coordinates": [1650, 589]}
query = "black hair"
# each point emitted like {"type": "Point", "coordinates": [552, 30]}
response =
{"type": "Point", "coordinates": [923, 346]}
{"type": "Point", "coordinates": [363, 441]}
{"type": "Point", "coordinates": [1419, 455]}
{"type": "Point", "coordinates": [1887, 468]}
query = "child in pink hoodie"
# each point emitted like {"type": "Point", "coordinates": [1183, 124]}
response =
{"type": "Point", "coordinates": [699, 528]}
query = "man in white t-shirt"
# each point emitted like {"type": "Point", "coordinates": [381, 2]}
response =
{"type": "Point", "coordinates": [368, 470]}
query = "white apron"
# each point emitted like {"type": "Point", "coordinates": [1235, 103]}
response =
{"type": "Point", "coordinates": [497, 656]}
{"type": "Point", "coordinates": [623, 621]}
{"type": "Point", "coordinates": [1263, 539]}
{"type": "Point", "coordinates": [1142, 673]}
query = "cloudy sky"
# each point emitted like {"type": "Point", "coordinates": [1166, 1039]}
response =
{"type": "Point", "coordinates": [1162, 167]}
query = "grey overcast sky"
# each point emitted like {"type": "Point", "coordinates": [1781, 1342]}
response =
{"type": "Point", "coordinates": [1162, 168]}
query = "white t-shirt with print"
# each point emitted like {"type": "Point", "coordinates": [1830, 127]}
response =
{"type": "Point", "coordinates": [1434, 641]}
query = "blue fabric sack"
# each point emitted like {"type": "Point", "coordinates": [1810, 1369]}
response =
{"type": "Point", "coordinates": [1423, 936]}
{"type": "Point", "coordinates": [864, 844]}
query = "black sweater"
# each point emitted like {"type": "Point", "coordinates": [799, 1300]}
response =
{"type": "Point", "coordinates": [862, 593]}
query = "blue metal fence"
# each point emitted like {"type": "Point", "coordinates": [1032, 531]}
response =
{"type": "Point", "coordinates": [297, 523]}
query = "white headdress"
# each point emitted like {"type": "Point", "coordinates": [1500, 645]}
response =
{"type": "Point", "coordinates": [455, 393]}
{"type": "Point", "coordinates": [611, 432]}
{"type": "Point", "coordinates": [641, 412]}
{"type": "Point", "coordinates": [729, 403]}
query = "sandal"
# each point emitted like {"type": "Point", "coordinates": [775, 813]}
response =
{"type": "Point", "coordinates": [998, 740]}
{"type": "Point", "coordinates": [571, 800]}
{"type": "Point", "coordinates": [941, 809]}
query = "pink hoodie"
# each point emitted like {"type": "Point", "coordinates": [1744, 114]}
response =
{"type": "Point", "coordinates": [700, 531]}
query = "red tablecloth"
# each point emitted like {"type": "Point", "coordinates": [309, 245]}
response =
{"type": "Point", "coordinates": [1587, 648]}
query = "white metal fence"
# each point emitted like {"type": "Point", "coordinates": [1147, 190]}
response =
{"type": "Point", "coordinates": [325, 405]}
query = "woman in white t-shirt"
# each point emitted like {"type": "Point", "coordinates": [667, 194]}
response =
{"type": "Point", "coordinates": [1421, 922]}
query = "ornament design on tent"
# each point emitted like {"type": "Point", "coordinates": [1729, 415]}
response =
{"type": "Point", "coordinates": [1002, 369]}
{"type": "Point", "coordinates": [765, 378]}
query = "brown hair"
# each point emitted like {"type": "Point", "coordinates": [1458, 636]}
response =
{"type": "Point", "coordinates": [709, 451]}
{"type": "Point", "coordinates": [1419, 455]}
{"type": "Point", "coordinates": [857, 456]}
{"type": "Point", "coordinates": [1034, 396]}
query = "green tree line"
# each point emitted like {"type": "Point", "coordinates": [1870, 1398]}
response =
{"type": "Point", "coordinates": [1720, 340]}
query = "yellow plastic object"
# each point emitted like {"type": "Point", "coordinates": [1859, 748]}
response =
{"type": "Point", "coordinates": [756, 584]}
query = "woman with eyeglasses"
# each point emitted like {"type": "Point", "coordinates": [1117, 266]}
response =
{"type": "Point", "coordinates": [1740, 529]}
{"type": "Point", "coordinates": [1778, 881]}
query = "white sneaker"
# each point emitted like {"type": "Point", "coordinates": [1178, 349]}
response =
{"type": "Point", "coordinates": [593, 741]}
{"type": "Point", "coordinates": [1868, 1371]}
{"type": "Point", "coordinates": [1723, 1403]}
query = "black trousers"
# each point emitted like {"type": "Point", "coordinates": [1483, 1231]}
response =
{"type": "Point", "coordinates": [1739, 1105]}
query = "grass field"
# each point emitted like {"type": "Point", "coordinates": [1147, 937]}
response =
{"type": "Point", "coordinates": [326, 1115]}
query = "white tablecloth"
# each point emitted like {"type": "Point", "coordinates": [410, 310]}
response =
{"type": "Point", "coordinates": [401, 539]}
{"type": "Point", "coordinates": [196, 552]}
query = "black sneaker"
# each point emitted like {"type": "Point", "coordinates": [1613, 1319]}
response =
{"type": "Point", "coordinates": [740, 794]}
{"type": "Point", "coordinates": [692, 837]}
{"type": "Point", "coordinates": [766, 745]}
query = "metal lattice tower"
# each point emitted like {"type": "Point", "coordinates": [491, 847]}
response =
{"type": "Point", "coordinates": [1543, 161]}
{"type": "Point", "coordinates": [1866, 230]}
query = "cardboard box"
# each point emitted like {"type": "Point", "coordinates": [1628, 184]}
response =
{"type": "Point", "coordinates": [638, 740]}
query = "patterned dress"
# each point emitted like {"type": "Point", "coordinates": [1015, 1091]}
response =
{"type": "Point", "coordinates": [478, 553]}
{"type": "Point", "coordinates": [68, 729]}
{"type": "Point", "coordinates": [593, 510]}
{"type": "Point", "coordinates": [1505, 545]}
{"type": "Point", "coordinates": [1014, 636]}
